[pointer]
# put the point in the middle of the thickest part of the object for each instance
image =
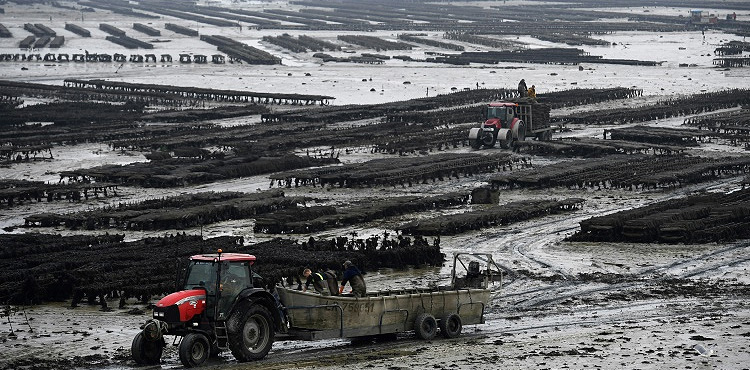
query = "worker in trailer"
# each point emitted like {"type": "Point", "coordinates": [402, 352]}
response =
{"type": "Point", "coordinates": [354, 277]}
{"type": "Point", "coordinates": [324, 283]}
{"type": "Point", "coordinates": [522, 89]}
{"type": "Point", "coordinates": [317, 280]}
{"type": "Point", "coordinates": [532, 92]}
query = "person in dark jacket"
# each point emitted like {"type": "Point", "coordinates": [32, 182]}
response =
{"type": "Point", "coordinates": [353, 276]}
{"type": "Point", "coordinates": [522, 89]}
{"type": "Point", "coordinates": [317, 280]}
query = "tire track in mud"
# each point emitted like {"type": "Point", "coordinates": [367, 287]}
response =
{"type": "Point", "coordinates": [620, 313]}
{"type": "Point", "coordinates": [527, 236]}
{"type": "Point", "coordinates": [509, 241]}
{"type": "Point", "coordinates": [577, 288]}
{"type": "Point", "coordinates": [571, 286]}
{"type": "Point", "coordinates": [336, 353]}
{"type": "Point", "coordinates": [708, 260]}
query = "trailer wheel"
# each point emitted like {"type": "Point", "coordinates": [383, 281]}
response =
{"type": "Point", "coordinates": [194, 349]}
{"type": "Point", "coordinates": [146, 352]}
{"type": "Point", "coordinates": [425, 326]}
{"type": "Point", "coordinates": [450, 325]}
{"type": "Point", "coordinates": [250, 330]}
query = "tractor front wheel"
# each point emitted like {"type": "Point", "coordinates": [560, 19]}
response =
{"type": "Point", "coordinates": [146, 352]}
{"type": "Point", "coordinates": [194, 349]}
{"type": "Point", "coordinates": [488, 138]}
{"type": "Point", "coordinates": [250, 330]}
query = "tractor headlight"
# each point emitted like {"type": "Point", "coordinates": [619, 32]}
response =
{"type": "Point", "coordinates": [158, 314]}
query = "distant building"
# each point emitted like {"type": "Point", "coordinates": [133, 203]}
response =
{"type": "Point", "coordinates": [702, 17]}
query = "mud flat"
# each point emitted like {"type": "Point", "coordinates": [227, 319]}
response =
{"type": "Point", "coordinates": [660, 109]}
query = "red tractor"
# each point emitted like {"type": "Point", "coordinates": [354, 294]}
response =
{"type": "Point", "coordinates": [222, 306]}
{"type": "Point", "coordinates": [511, 121]}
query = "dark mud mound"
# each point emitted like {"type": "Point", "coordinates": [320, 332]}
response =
{"type": "Point", "coordinates": [569, 56]}
{"type": "Point", "coordinates": [677, 106]}
{"type": "Point", "coordinates": [399, 171]}
{"type": "Point", "coordinates": [305, 220]}
{"type": "Point", "coordinates": [180, 212]}
{"type": "Point", "coordinates": [731, 127]}
{"type": "Point", "coordinates": [494, 216]}
{"type": "Point", "coordinates": [696, 219]}
{"type": "Point", "coordinates": [50, 363]}
{"type": "Point", "coordinates": [658, 135]}
{"type": "Point", "coordinates": [18, 192]}
{"type": "Point", "coordinates": [628, 172]}
{"type": "Point", "coordinates": [73, 113]}
{"type": "Point", "coordinates": [184, 171]}
{"type": "Point", "coordinates": [24, 153]}
{"type": "Point", "coordinates": [35, 268]}
{"type": "Point", "coordinates": [590, 147]}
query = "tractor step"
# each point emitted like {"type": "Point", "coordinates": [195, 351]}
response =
{"type": "Point", "coordinates": [222, 337]}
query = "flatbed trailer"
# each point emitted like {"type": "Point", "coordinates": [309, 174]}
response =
{"type": "Point", "coordinates": [312, 316]}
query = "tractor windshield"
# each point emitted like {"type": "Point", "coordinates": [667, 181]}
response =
{"type": "Point", "coordinates": [496, 112]}
{"type": "Point", "coordinates": [235, 274]}
{"type": "Point", "coordinates": [202, 274]}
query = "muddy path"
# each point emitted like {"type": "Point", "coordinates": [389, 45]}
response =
{"type": "Point", "coordinates": [564, 311]}
{"type": "Point", "coordinates": [562, 304]}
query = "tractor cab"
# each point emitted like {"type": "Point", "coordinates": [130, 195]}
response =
{"type": "Point", "coordinates": [499, 115]}
{"type": "Point", "coordinates": [222, 279]}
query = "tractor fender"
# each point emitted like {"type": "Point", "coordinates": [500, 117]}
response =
{"type": "Point", "coordinates": [516, 125]}
{"type": "Point", "coordinates": [504, 134]}
{"type": "Point", "coordinates": [263, 297]}
{"type": "Point", "coordinates": [474, 133]}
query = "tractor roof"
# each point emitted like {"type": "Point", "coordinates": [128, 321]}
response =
{"type": "Point", "coordinates": [231, 257]}
{"type": "Point", "coordinates": [503, 104]}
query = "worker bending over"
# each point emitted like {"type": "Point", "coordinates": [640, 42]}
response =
{"type": "Point", "coordinates": [355, 279]}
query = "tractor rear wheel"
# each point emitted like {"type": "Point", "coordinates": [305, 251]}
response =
{"type": "Point", "coordinates": [146, 352]}
{"type": "Point", "coordinates": [507, 141]}
{"type": "Point", "coordinates": [521, 132]}
{"type": "Point", "coordinates": [425, 326]}
{"type": "Point", "coordinates": [194, 349]}
{"type": "Point", "coordinates": [450, 325]}
{"type": "Point", "coordinates": [250, 330]}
